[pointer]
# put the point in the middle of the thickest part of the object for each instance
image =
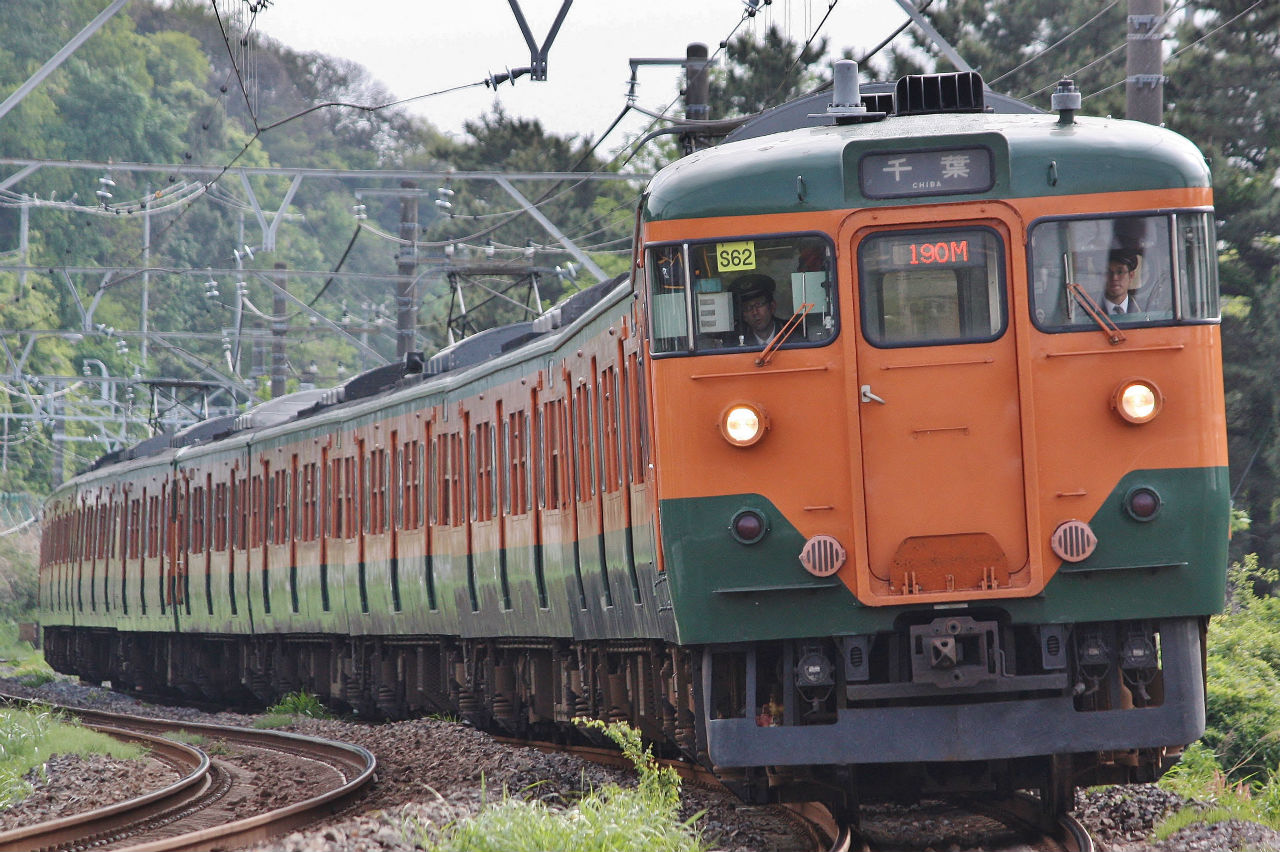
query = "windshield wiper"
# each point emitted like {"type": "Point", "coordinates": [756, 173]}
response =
{"type": "Point", "coordinates": [1099, 316]}
{"type": "Point", "coordinates": [783, 333]}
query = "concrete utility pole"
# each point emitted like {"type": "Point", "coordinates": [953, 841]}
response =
{"type": "Point", "coordinates": [406, 266]}
{"type": "Point", "coordinates": [1144, 83]}
{"type": "Point", "coordinates": [279, 330]}
{"type": "Point", "coordinates": [697, 94]}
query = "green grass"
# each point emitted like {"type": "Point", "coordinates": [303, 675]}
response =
{"type": "Point", "coordinates": [28, 738]}
{"type": "Point", "coordinates": [301, 704]}
{"type": "Point", "coordinates": [1215, 796]}
{"type": "Point", "coordinates": [21, 661]}
{"type": "Point", "coordinates": [12, 650]}
{"type": "Point", "coordinates": [611, 819]}
{"type": "Point", "coordinates": [33, 671]}
{"type": "Point", "coordinates": [186, 737]}
{"type": "Point", "coordinates": [272, 721]}
{"type": "Point", "coordinates": [287, 710]}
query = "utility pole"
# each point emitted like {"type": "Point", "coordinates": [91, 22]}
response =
{"type": "Point", "coordinates": [279, 328]}
{"type": "Point", "coordinates": [1144, 81]}
{"type": "Point", "coordinates": [697, 94]}
{"type": "Point", "coordinates": [406, 266]}
{"type": "Point", "coordinates": [146, 270]}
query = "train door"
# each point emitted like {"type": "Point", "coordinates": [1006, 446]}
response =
{"type": "Point", "coordinates": [937, 396]}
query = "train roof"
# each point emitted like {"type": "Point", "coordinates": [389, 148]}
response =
{"type": "Point", "coordinates": [820, 168]}
{"type": "Point", "coordinates": [485, 348]}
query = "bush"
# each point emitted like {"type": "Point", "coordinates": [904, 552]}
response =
{"type": "Point", "coordinates": [1243, 720]}
{"type": "Point", "coordinates": [1234, 771]}
{"type": "Point", "coordinates": [301, 704]}
{"type": "Point", "coordinates": [19, 575]}
{"type": "Point", "coordinates": [608, 820]}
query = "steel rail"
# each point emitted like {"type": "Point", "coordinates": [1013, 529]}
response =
{"type": "Point", "coordinates": [355, 764]}
{"type": "Point", "coordinates": [1025, 813]}
{"type": "Point", "coordinates": [89, 827]}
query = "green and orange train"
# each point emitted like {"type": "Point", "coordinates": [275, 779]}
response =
{"type": "Point", "coordinates": [958, 526]}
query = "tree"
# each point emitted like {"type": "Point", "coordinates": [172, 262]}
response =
{"type": "Point", "coordinates": [596, 215]}
{"type": "Point", "coordinates": [764, 71]}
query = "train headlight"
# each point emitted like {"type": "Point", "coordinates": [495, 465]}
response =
{"type": "Point", "coordinates": [743, 423]}
{"type": "Point", "coordinates": [1138, 401]}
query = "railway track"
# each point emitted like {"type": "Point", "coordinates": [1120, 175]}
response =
{"type": "Point", "coordinates": [216, 803]}
{"type": "Point", "coordinates": [193, 812]}
{"type": "Point", "coordinates": [823, 830]}
{"type": "Point", "coordinates": [1015, 823]}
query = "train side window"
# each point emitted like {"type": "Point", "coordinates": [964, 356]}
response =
{"type": "Point", "coordinates": [669, 313]}
{"type": "Point", "coordinates": [541, 448]}
{"type": "Point", "coordinates": [931, 287]}
{"type": "Point", "coordinates": [1138, 269]}
{"type": "Point", "coordinates": [457, 453]}
{"type": "Point", "coordinates": [419, 479]}
{"type": "Point", "coordinates": [1197, 266]}
{"type": "Point", "coordinates": [741, 292]}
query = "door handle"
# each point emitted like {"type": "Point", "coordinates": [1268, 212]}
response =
{"type": "Point", "coordinates": [868, 396]}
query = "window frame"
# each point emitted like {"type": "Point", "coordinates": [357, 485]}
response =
{"type": "Point", "coordinates": [1175, 260]}
{"type": "Point", "coordinates": [1000, 251]}
{"type": "Point", "coordinates": [690, 349]}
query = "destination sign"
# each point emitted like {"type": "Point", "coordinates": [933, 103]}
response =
{"type": "Point", "coordinates": [907, 173]}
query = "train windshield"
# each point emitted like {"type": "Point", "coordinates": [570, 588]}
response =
{"type": "Point", "coordinates": [931, 287]}
{"type": "Point", "coordinates": [741, 293]}
{"type": "Point", "coordinates": [1139, 270]}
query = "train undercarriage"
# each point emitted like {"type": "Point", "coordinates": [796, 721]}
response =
{"type": "Point", "coordinates": [768, 717]}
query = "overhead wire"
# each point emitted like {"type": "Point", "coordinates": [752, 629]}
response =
{"type": "Point", "coordinates": [1056, 44]}
{"type": "Point", "coordinates": [1177, 52]}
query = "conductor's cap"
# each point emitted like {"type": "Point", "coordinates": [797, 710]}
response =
{"type": "Point", "coordinates": [753, 285]}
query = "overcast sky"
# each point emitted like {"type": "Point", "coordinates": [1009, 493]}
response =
{"type": "Point", "coordinates": [416, 48]}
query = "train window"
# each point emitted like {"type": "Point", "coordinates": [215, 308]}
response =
{"type": "Point", "coordinates": [741, 293]}
{"type": "Point", "coordinates": [419, 492]}
{"type": "Point", "coordinates": [435, 480]}
{"type": "Point", "coordinates": [402, 484]}
{"type": "Point", "coordinates": [471, 475]}
{"type": "Point", "coordinates": [1195, 247]}
{"type": "Point", "coordinates": [931, 287]}
{"type": "Point", "coordinates": [1139, 270]}
{"type": "Point", "coordinates": [526, 466]}
{"type": "Point", "coordinates": [540, 441]}
{"type": "Point", "coordinates": [456, 467]}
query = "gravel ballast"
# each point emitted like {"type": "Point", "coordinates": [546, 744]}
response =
{"type": "Point", "coordinates": [432, 773]}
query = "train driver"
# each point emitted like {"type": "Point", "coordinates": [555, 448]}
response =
{"type": "Point", "coordinates": [756, 305]}
{"type": "Point", "coordinates": [1118, 293]}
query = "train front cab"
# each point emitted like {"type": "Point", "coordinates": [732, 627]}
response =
{"type": "Point", "coordinates": [971, 532]}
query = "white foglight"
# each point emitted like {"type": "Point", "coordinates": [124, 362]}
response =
{"type": "Point", "coordinates": [1138, 401]}
{"type": "Point", "coordinates": [742, 424]}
